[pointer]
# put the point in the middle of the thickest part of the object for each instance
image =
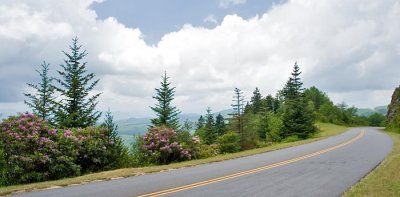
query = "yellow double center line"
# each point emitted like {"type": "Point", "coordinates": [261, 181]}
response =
{"type": "Point", "coordinates": [247, 172]}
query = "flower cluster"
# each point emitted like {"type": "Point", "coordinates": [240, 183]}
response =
{"type": "Point", "coordinates": [33, 151]}
{"type": "Point", "coordinates": [162, 143]}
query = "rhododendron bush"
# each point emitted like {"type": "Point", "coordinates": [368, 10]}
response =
{"type": "Point", "coordinates": [32, 151]}
{"type": "Point", "coordinates": [160, 145]}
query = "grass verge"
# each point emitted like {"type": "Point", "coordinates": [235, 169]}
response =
{"type": "Point", "coordinates": [327, 130]}
{"type": "Point", "coordinates": [385, 179]}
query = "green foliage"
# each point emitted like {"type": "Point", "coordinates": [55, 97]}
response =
{"type": "Point", "coordinates": [256, 102]}
{"type": "Point", "coordinates": [207, 151]}
{"type": "Point", "coordinates": [200, 123]}
{"type": "Point", "coordinates": [298, 117]}
{"type": "Point", "coordinates": [293, 88]}
{"type": "Point", "coordinates": [210, 131]}
{"type": "Point", "coordinates": [220, 125]}
{"type": "Point", "coordinates": [229, 143]}
{"type": "Point", "coordinates": [77, 109]}
{"type": "Point", "coordinates": [42, 102]}
{"type": "Point", "coordinates": [238, 108]}
{"type": "Point", "coordinates": [201, 132]}
{"type": "Point", "coordinates": [291, 138]}
{"type": "Point", "coordinates": [271, 103]}
{"type": "Point", "coordinates": [393, 114]}
{"type": "Point", "coordinates": [274, 128]}
{"type": "Point", "coordinates": [167, 115]}
{"type": "Point", "coordinates": [250, 133]}
{"type": "Point", "coordinates": [377, 120]}
{"type": "Point", "coordinates": [118, 153]}
{"type": "Point", "coordinates": [317, 97]}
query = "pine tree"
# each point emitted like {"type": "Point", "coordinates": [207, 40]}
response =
{"type": "Point", "coordinates": [200, 123]}
{"type": "Point", "coordinates": [42, 102]}
{"type": "Point", "coordinates": [220, 125]}
{"type": "Point", "coordinates": [271, 104]}
{"type": "Point", "coordinates": [117, 151]}
{"type": "Point", "coordinates": [293, 88]}
{"type": "Point", "coordinates": [167, 115]}
{"type": "Point", "coordinates": [256, 102]}
{"type": "Point", "coordinates": [77, 109]}
{"type": "Point", "coordinates": [298, 118]}
{"type": "Point", "coordinates": [238, 109]}
{"type": "Point", "coordinates": [210, 131]}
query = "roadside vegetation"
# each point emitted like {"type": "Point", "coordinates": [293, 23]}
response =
{"type": "Point", "coordinates": [327, 130]}
{"type": "Point", "coordinates": [63, 136]}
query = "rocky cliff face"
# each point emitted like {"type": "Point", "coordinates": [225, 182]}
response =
{"type": "Point", "coordinates": [393, 114]}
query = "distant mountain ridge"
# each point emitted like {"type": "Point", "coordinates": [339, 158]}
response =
{"type": "Point", "coordinates": [367, 112]}
{"type": "Point", "coordinates": [132, 126]}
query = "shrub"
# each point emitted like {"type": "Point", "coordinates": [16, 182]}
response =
{"type": "Point", "coordinates": [229, 143]}
{"type": "Point", "coordinates": [32, 151]}
{"type": "Point", "coordinates": [208, 151]}
{"type": "Point", "coordinates": [189, 142]}
{"type": "Point", "coordinates": [160, 146]}
{"type": "Point", "coordinates": [95, 150]}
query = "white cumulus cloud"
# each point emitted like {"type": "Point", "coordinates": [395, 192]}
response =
{"type": "Point", "coordinates": [350, 49]}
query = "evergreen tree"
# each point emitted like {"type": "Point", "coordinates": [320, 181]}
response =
{"type": "Point", "coordinates": [117, 151]}
{"type": "Point", "coordinates": [237, 119]}
{"type": "Point", "coordinates": [210, 131]}
{"type": "Point", "coordinates": [200, 123]}
{"type": "Point", "coordinates": [293, 88]}
{"type": "Point", "coordinates": [167, 115]}
{"type": "Point", "coordinates": [77, 109]}
{"type": "Point", "coordinates": [256, 102]}
{"type": "Point", "coordinates": [42, 102]}
{"type": "Point", "coordinates": [298, 118]}
{"type": "Point", "coordinates": [220, 125]}
{"type": "Point", "coordinates": [271, 104]}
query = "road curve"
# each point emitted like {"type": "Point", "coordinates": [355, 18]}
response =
{"type": "Point", "coordinates": [323, 168]}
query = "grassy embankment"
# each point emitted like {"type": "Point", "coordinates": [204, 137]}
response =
{"type": "Point", "coordinates": [385, 179]}
{"type": "Point", "coordinates": [327, 130]}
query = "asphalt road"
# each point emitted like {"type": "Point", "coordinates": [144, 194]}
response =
{"type": "Point", "coordinates": [323, 168]}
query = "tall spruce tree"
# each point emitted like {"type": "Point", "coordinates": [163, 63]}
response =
{"type": "Point", "coordinates": [210, 131]}
{"type": "Point", "coordinates": [256, 101]}
{"type": "Point", "coordinates": [42, 101]}
{"type": "Point", "coordinates": [167, 115]}
{"type": "Point", "coordinates": [293, 88]}
{"type": "Point", "coordinates": [78, 107]}
{"type": "Point", "coordinates": [298, 118]}
{"type": "Point", "coordinates": [220, 125]}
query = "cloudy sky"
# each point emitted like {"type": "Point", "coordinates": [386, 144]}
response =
{"type": "Point", "coordinates": [349, 49]}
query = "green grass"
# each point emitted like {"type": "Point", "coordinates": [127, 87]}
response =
{"type": "Point", "coordinates": [385, 179]}
{"type": "Point", "coordinates": [327, 130]}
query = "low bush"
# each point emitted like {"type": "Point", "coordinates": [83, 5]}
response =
{"type": "Point", "coordinates": [229, 143]}
{"type": "Point", "coordinates": [32, 151]}
{"type": "Point", "coordinates": [207, 151]}
{"type": "Point", "coordinates": [160, 146]}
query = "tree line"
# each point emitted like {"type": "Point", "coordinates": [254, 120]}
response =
{"type": "Point", "coordinates": [62, 137]}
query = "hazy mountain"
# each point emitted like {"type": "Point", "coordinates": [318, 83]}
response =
{"type": "Point", "coordinates": [132, 126]}
{"type": "Point", "coordinates": [367, 112]}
